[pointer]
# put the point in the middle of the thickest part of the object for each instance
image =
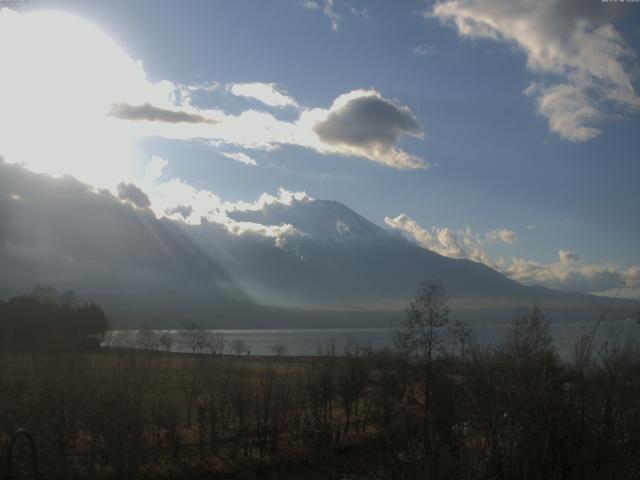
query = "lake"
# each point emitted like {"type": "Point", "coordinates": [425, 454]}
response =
{"type": "Point", "coordinates": [308, 342]}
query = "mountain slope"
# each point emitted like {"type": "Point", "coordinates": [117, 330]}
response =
{"type": "Point", "coordinates": [342, 257]}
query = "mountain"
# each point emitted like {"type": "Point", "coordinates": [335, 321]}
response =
{"type": "Point", "coordinates": [342, 257]}
{"type": "Point", "coordinates": [332, 268]}
{"type": "Point", "coordinates": [341, 261]}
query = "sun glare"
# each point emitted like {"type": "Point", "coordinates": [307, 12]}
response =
{"type": "Point", "coordinates": [60, 76]}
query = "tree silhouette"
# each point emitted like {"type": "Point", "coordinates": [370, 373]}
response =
{"type": "Point", "coordinates": [46, 321]}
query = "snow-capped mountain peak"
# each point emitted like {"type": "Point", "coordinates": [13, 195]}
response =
{"type": "Point", "coordinates": [319, 219]}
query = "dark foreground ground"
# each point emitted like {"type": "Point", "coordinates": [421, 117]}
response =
{"type": "Point", "coordinates": [513, 412]}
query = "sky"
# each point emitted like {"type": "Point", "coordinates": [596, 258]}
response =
{"type": "Point", "coordinates": [501, 131]}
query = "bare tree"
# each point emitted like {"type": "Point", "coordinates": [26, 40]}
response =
{"type": "Point", "coordinates": [239, 346]}
{"type": "Point", "coordinates": [424, 330]}
{"type": "Point", "coordinates": [147, 339]}
{"type": "Point", "coordinates": [529, 342]}
{"type": "Point", "coordinates": [215, 343]}
{"type": "Point", "coordinates": [166, 341]}
{"type": "Point", "coordinates": [353, 380]}
{"type": "Point", "coordinates": [279, 350]}
{"type": "Point", "coordinates": [423, 334]}
{"type": "Point", "coordinates": [461, 334]}
{"type": "Point", "coordinates": [194, 337]}
{"type": "Point", "coordinates": [68, 298]}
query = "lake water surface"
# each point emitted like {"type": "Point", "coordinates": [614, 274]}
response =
{"type": "Point", "coordinates": [308, 342]}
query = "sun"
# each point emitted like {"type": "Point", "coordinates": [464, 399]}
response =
{"type": "Point", "coordinates": [60, 76]}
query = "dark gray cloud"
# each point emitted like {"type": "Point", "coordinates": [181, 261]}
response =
{"type": "Point", "coordinates": [149, 112]}
{"type": "Point", "coordinates": [368, 122]}
{"type": "Point", "coordinates": [132, 193]}
{"type": "Point", "coordinates": [62, 232]}
{"type": "Point", "coordinates": [182, 210]}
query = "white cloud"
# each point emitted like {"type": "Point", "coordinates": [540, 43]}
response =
{"type": "Point", "coordinates": [572, 275]}
{"type": "Point", "coordinates": [423, 50]}
{"type": "Point", "coordinates": [283, 197]}
{"type": "Point", "coordinates": [504, 235]}
{"type": "Point", "coordinates": [362, 13]}
{"type": "Point", "coordinates": [567, 256]}
{"type": "Point", "coordinates": [566, 274]}
{"type": "Point", "coordinates": [569, 110]}
{"type": "Point", "coordinates": [342, 228]}
{"type": "Point", "coordinates": [176, 199]}
{"type": "Point", "coordinates": [180, 201]}
{"type": "Point", "coordinates": [454, 243]}
{"type": "Point", "coordinates": [328, 8]}
{"type": "Point", "coordinates": [442, 240]}
{"type": "Point", "coordinates": [571, 40]}
{"type": "Point", "coordinates": [154, 169]}
{"type": "Point", "coordinates": [331, 14]}
{"type": "Point", "coordinates": [632, 277]}
{"type": "Point", "coordinates": [267, 93]}
{"type": "Point", "coordinates": [241, 157]}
